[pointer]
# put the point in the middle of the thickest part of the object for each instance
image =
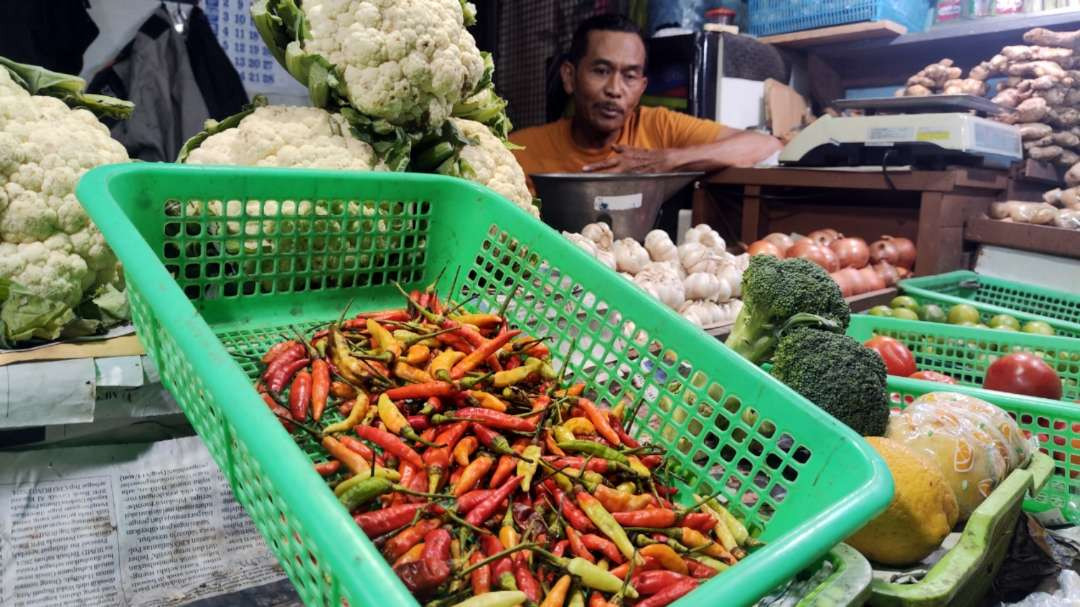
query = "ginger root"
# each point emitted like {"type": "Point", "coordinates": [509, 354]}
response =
{"type": "Point", "coordinates": [1032, 110]}
{"type": "Point", "coordinates": [1070, 198]}
{"type": "Point", "coordinates": [1045, 154]}
{"type": "Point", "coordinates": [1072, 176]}
{"type": "Point", "coordinates": [1044, 37]}
{"type": "Point", "coordinates": [917, 90]}
{"type": "Point", "coordinates": [967, 86]}
{"type": "Point", "coordinates": [983, 71]}
{"type": "Point", "coordinates": [1036, 69]}
{"type": "Point", "coordinates": [1021, 53]}
{"type": "Point", "coordinates": [1066, 139]}
{"type": "Point", "coordinates": [1032, 131]}
{"type": "Point", "coordinates": [1067, 158]}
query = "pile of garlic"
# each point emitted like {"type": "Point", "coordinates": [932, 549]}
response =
{"type": "Point", "coordinates": [698, 278]}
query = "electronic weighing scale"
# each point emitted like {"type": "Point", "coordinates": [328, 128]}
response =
{"type": "Point", "coordinates": [924, 132]}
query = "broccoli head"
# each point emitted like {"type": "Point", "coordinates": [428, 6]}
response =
{"type": "Point", "coordinates": [836, 373]}
{"type": "Point", "coordinates": [779, 295]}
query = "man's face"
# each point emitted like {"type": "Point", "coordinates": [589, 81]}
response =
{"type": "Point", "coordinates": [608, 81]}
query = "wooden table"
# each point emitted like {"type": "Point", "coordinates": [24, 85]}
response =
{"type": "Point", "coordinates": [929, 207]}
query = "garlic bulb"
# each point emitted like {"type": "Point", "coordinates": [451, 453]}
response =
{"type": "Point", "coordinates": [630, 256]}
{"type": "Point", "coordinates": [660, 270]}
{"type": "Point", "coordinates": [741, 262]}
{"type": "Point", "coordinates": [666, 287]}
{"type": "Point", "coordinates": [660, 247]}
{"type": "Point", "coordinates": [691, 254]}
{"type": "Point", "coordinates": [629, 277]}
{"type": "Point", "coordinates": [729, 311]}
{"type": "Point", "coordinates": [701, 285]}
{"type": "Point", "coordinates": [600, 233]}
{"type": "Point", "coordinates": [705, 235]}
{"type": "Point", "coordinates": [701, 313]}
{"type": "Point", "coordinates": [587, 245]}
{"type": "Point", "coordinates": [607, 258]}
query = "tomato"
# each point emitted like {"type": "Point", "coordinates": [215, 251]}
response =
{"type": "Point", "coordinates": [933, 376]}
{"type": "Point", "coordinates": [1023, 373]}
{"type": "Point", "coordinates": [898, 359]}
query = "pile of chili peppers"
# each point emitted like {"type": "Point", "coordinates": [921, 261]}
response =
{"type": "Point", "coordinates": [485, 481]}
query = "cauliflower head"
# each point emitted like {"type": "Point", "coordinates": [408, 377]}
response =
{"type": "Point", "coordinates": [288, 137]}
{"type": "Point", "coordinates": [488, 162]}
{"type": "Point", "coordinates": [406, 61]}
{"type": "Point", "coordinates": [48, 244]}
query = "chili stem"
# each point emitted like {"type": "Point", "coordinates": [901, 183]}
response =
{"type": "Point", "coordinates": [498, 555]}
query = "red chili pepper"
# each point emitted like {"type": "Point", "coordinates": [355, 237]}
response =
{"type": "Point", "coordinates": [435, 305]}
{"type": "Point", "coordinates": [698, 569]}
{"type": "Point", "coordinates": [433, 568]}
{"type": "Point", "coordinates": [652, 582]}
{"type": "Point", "coordinates": [418, 422]}
{"type": "Point", "coordinates": [604, 546]}
{"type": "Point", "coordinates": [434, 403]}
{"type": "Point", "coordinates": [438, 458]}
{"type": "Point", "coordinates": [354, 445]}
{"type": "Point", "coordinates": [599, 421]}
{"type": "Point", "coordinates": [573, 515]}
{"type": "Point", "coordinates": [282, 413]}
{"type": "Point", "coordinates": [597, 600]}
{"type": "Point", "coordinates": [470, 500]}
{"type": "Point", "coordinates": [651, 461]}
{"type": "Point", "coordinates": [702, 521]}
{"type": "Point", "coordinates": [480, 578]}
{"type": "Point", "coordinates": [293, 353]}
{"type": "Point", "coordinates": [526, 581]}
{"type": "Point", "coordinates": [282, 375]}
{"type": "Point", "coordinates": [320, 387]}
{"type": "Point", "coordinates": [502, 471]}
{"type": "Point", "coordinates": [390, 443]}
{"type": "Point", "coordinates": [550, 445]}
{"type": "Point", "coordinates": [595, 464]}
{"type": "Point", "coordinates": [300, 396]}
{"type": "Point", "coordinates": [481, 353]}
{"type": "Point", "coordinates": [513, 363]}
{"type": "Point", "coordinates": [378, 522]}
{"type": "Point", "coordinates": [495, 419]}
{"type": "Point", "coordinates": [407, 538]}
{"type": "Point", "coordinates": [502, 570]}
{"type": "Point", "coordinates": [670, 594]}
{"type": "Point", "coordinates": [422, 391]}
{"type": "Point", "coordinates": [654, 518]}
{"type": "Point", "coordinates": [560, 547]}
{"type": "Point", "coordinates": [455, 342]}
{"type": "Point", "coordinates": [277, 349]}
{"type": "Point", "coordinates": [328, 468]}
{"type": "Point", "coordinates": [577, 546]}
{"type": "Point", "coordinates": [486, 508]}
{"type": "Point", "coordinates": [648, 563]}
{"type": "Point", "coordinates": [626, 439]}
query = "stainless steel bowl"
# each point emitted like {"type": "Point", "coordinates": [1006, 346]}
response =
{"type": "Point", "coordinates": [629, 203]}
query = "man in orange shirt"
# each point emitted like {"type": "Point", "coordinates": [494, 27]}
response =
{"type": "Point", "coordinates": [609, 131]}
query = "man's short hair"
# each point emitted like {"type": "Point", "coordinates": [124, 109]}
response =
{"type": "Point", "coordinates": [599, 23]}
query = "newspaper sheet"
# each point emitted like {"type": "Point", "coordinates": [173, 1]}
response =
{"type": "Point", "coordinates": [145, 524]}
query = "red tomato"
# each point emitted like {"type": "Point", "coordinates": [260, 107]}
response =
{"type": "Point", "coordinates": [933, 376]}
{"type": "Point", "coordinates": [898, 359]}
{"type": "Point", "coordinates": [1023, 373]}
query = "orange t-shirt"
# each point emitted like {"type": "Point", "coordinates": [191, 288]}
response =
{"type": "Point", "coordinates": [551, 149]}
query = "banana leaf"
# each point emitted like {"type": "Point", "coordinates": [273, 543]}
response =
{"type": "Point", "coordinates": [67, 88]}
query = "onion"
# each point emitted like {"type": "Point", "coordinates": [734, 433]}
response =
{"type": "Point", "coordinates": [887, 272]}
{"type": "Point", "coordinates": [847, 279]}
{"type": "Point", "coordinates": [903, 273]}
{"type": "Point", "coordinates": [851, 252]}
{"type": "Point", "coordinates": [872, 280]}
{"type": "Point", "coordinates": [883, 250]}
{"type": "Point", "coordinates": [764, 247]}
{"type": "Point", "coordinates": [781, 240]}
{"type": "Point", "coordinates": [825, 236]}
{"type": "Point", "coordinates": [905, 248]}
{"type": "Point", "coordinates": [801, 245]}
{"type": "Point", "coordinates": [822, 256]}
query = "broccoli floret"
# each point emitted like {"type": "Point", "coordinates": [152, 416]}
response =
{"type": "Point", "coordinates": [836, 373]}
{"type": "Point", "coordinates": [779, 295]}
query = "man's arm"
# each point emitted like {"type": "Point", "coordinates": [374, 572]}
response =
{"type": "Point", "coordinates": [741, 149]}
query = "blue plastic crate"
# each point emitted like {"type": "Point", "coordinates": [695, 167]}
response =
{"type": "Point", "coordinates": [769, 17]}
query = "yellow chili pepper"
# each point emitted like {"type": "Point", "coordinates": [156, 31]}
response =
{"type": "Point", "coordinates": [619, 410]}
{"type": "Point", "coordinates": [352, 481]}
{"type": "Point", "coordinates": [488, 401]}
{"type": "Point", "coordinates": [442, 363]}
{"type": "Point", "coordinates": [639, 468]}
{"type": "Point", "coordinates": [562, 434]}
{"type": "Point", "coordinates": [666, 556]}
{"type": "Point", "coordinates": [383, 338]}
{"type": "Point", "coordinates": [418, 355]}
{"type": "Point", "coordinates": [692, 538]}
{"type": "Point", "coordinates": [527, 469]}
{"type": "Point", "coordinates": [409, 373]}
{"type": "Point", "coordinates": [359, 409]}
{"type": "Point", "coordinates": [738, 531]}
{"type": "Point", "coordinates": [478, 320]}
{"type": "Point", "coordinates": [556, 597]}
{"type": "Point", "coordinates": [391, 416]}
{"type": "Point", "coordinates": [503, 379]}
{"type": "Point", "coordinates": [579, 426]}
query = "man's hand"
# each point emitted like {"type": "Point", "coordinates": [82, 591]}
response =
{"type": "Point", "coordinates": [634, 160]}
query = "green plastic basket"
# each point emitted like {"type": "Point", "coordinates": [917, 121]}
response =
{"type": "Point", "coordinates": [964, 353]}
{"type": "Point", "coordinates": [1054, 424]}
{"type": "Point", "coordinates": [203, 285]}
{"type": "Point", "coordinates": [998, 296]}
{"type": "Point", "coordinates": [849, 583]}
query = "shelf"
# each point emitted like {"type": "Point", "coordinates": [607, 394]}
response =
{"type": "Point", "coordinates": [889, 61]}
{"type": "Point", "coordinates": [850, 32]}
{"type": "Point", "coordinates": [1024, 236]}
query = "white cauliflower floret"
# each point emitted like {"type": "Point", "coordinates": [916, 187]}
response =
{"type": "Point", "coordinates": [407, 61]}
{"type": "Point", "coordinates": [288, 137]}
{"type": "Point", "coordinates": [493, 165]}
{"type": "Point", "coordinates": [47, 242]}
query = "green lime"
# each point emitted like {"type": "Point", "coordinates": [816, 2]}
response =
{"type": "Point", "coordinates": [1004, 320]}
{"type": "Point", "coordinates": [905, 314]}
{"type": "Point", "coordinates": [880, 311]}
{"type": "Point", "coordinates": [1038, 327]}
{"type": "Point", "coordinates": [963, 313]}
{"type": "Point", "coordinates": [904, 301]}
{"type": "Point", "coordinates": [932, 313]}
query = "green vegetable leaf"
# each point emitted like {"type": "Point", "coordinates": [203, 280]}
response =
{"type": "Point", "coordinates": [213, 127]}
{"type": "Point", "coordinates": [67, 88]}
{"type": "Point", "coordinates": [25, 316]}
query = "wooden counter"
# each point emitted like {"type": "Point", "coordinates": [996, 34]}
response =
{"type": "Point", "coordinates": [929, 207]}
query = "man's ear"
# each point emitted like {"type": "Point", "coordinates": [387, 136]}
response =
{"type": "Point", "coordinates": [567, 71]}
